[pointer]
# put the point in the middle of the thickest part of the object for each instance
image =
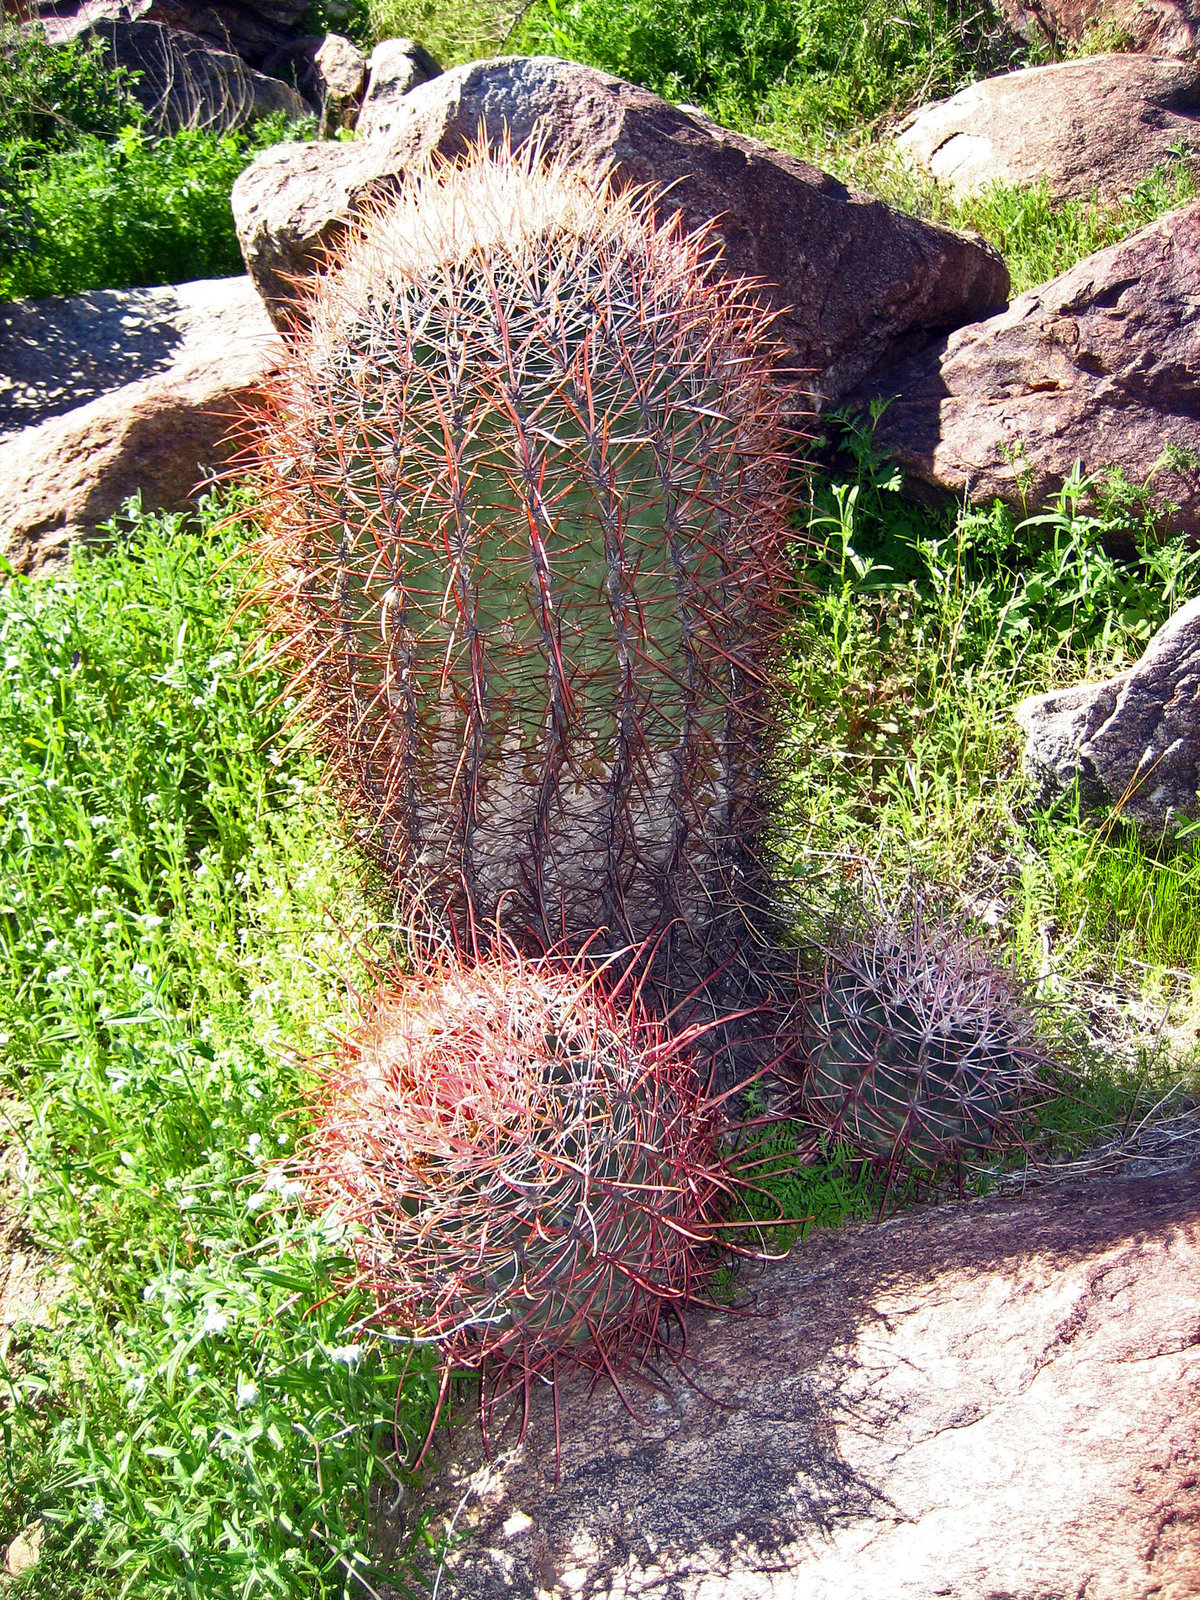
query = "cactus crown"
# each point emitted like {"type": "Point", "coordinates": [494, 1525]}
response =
{"type": "Point", "coordinates": [924, 1048]}
{"type": "Point", "coordinates": [528, 1160]}
{"type": "Point", "coordinates": [524, 484]}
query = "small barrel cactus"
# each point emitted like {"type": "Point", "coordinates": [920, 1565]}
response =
{"type": "Point", "coordinates": [523, 488]}
{"type": "Point", "coordinates": [923, 1049]}
{"type": "Point", "coordinates": [532, 1172]}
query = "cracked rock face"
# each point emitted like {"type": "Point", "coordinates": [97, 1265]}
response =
{"type": "Point", "coordinates": [1160, 27]}
{"type": "Point", "coordinates": [858, 284]}
{"type": "Point", "coordinates": [1103, 123]}
{"type": "Point", "coordinates": [1101, 366]}
{"type": "Point", "coordinates": [999, 1399]}
{"type": "Point", "coordinates": [1132, 741]}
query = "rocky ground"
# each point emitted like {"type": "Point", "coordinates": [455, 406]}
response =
{"type": "Point", "coordinates": [995, 1398]}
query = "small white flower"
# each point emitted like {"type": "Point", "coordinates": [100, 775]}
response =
{"type": "Point", "coordinates": [346, 1355]}
{"type": "Point", "coordinates": [96, 1510]}
{"type": "Point", "coordinates": [215, 1322]}
{"type": "Point", "coordinates": [247, 1392]}
{"type": "Point", "coordinates": [253, 1143]}
{"type": "Point", "coordinates": [192, 1369]}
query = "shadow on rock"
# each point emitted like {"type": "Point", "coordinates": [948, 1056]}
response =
{"type": "Point", "coordinates": [999, 1397]}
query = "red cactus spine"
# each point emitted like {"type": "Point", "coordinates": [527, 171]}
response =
{"type": "Point", "coordinates": [524, 536]}
{"type": "Point", "coordinates": [532, 1171]}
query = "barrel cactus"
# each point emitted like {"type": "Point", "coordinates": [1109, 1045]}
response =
{"type": "Point", "coordinates": [923, 1048]}
{"type": "Point", "coordinates": [523, 481]}
{"type": "Point", "coordinates": [530, 1168]}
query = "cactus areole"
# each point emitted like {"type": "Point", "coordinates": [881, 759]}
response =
{"type": "Point", "coordinates": [523, 495]}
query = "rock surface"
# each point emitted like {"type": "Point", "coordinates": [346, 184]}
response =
{"type": "Point", "coordinates": [1133, 740]}
{"type": "Point", "coordinates": [59, 353]}
{"type": "Point", "coordinates": [998, 1399]}
{"type": "Point", "coordinates": [1100, 366]}
{"type": "Point", "coordinates": [185, 82]}
{"type": "Point", "coordinates": [860, 281]}
{"type": "Point", "coordinates": [329, 72]}
{"type": "Point", "coordinates": [1103, 123]}
{"type": "Point", "coordinates": [395, 67]}
{"type": "Point", "coordinates": [1158, 27]}
{"type": "Point", "coordinates": [25, 1551]}
{"type": "Point", "coordinates": [252, 29]}
{"type": "Point", "coordinates": [167, 369]}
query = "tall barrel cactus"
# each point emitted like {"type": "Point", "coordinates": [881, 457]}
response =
{"type": "Point", "coordinates": [523, 485]}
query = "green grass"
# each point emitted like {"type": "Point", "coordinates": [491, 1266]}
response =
{"type": "Point", "coordinates": [453, 31]}
{"type": "Point", "coordinates": [89, 198]}
{"type": "Point", "coordinates": [134, 210]}
{"type": "Point", "coordinates": [923, 631]}
{"type": "Point", "coordinates": [204, 1414]}
{"type": "Point", "coordinates": [818, 67]}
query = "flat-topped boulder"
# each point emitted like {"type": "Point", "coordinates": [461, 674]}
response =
{"type": "Point", "coordinates": [856, 282]}
{"type": "Point", "coordinates": [1102, 123]}
{"type": "Point", "coordinates": [59, 353]}
{"type": "Point", "coordinates": [1000, 1398]}
{"type": "Point", "coordinates": [1099, 366]}
{"type": "Point", "coordinates": [116, 393]}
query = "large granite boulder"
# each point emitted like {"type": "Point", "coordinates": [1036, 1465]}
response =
{"type": "Point", "coordinates": [1132, 741]}
{"type": "Point", "coordinates": [995, 1399]}
{"type": "Point", "coordinates": [1101, 366]}
{"type": "Point", "coordinates": [117, 392]}
{"type": "Point", "coordinates": [1102, 123]}
{"type": "Point", "coordinates": [856, 281]}
{"type": "Point", "coordinates": [1158, 27]}
{"type": "Point", "coordinates": [395, 66]}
